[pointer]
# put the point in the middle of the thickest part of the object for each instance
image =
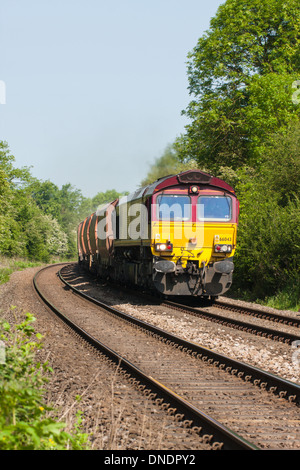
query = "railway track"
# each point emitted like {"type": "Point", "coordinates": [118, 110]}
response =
{"type": "Point", "coordinates": [262, 324]}
{"type": "Point", "coordinates": [287, 336]}
{"type": "Point", "coordinates": [258, 312]}
{"type": "Point", "coordinates": [237, 405]}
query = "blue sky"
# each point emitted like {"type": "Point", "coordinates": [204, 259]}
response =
{"type": "Point", "coordinates": [95, 89]}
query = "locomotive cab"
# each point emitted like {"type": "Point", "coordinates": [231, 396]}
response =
{"type": "Point", "coordinates": [193, 239]}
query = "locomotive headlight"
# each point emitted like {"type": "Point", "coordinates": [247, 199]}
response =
{"type": "Point", "coordinates": [194, 189]}
{"type": "Point", "coordinates": [163, 247]}
{"type": "Point", "coordinates": [223, 248]}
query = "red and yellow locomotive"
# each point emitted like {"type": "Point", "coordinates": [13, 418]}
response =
{"type": "Point", "coordinates": [176, 236]}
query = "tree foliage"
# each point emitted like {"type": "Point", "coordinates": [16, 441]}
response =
{"type": "Point", "coordinates": [267, 260]}
{"type": "Point", "coordinates": [167, 164]}
{"type": "Point", "coordinates": [26, 228]}
{"type": "Point", "coordinates": [240, 75]}
{"type": "Point", "coordinates": [90, 205]}
{"type": "Point", "coordinates": [38, 220]}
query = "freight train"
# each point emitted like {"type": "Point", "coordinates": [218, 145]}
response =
{"type": "Point", "coordinates": [176, 237]}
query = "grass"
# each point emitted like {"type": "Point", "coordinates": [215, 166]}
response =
{"type": "Point", "coordinates": [10, 265]}
{"type": "Point", "coordinates": [286, 299]}
{"type": "Point", "coordinates": [24, 420]}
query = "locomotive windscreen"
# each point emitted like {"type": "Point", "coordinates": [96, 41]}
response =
{"type": "Point", "coordinates": [174, 207]}
{"type": "Point", "coordinates": [214, 208]}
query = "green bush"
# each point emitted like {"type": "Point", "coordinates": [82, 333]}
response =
{"type": "Point", "coordinates": [268, 245]}
{"type": "Point", "coordinates": [24, 421]}
{"type": "Point", "coordinates": [267, 258]}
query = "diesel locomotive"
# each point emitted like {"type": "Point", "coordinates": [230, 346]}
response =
{"type": "Point", "coordinates": [176, 236]}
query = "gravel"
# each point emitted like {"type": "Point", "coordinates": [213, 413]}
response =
{"type": "Point", "coordinates": [115, 414]}
{"type": "Point", "coordinates": [275, 357]}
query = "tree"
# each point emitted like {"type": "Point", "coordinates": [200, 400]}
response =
{"type": "Point", "coordinates": [104, 197]}
{"type": "Point", "coordinates": [28, 208]}
{"type": "Point", "coordinates": [281, 168]}
{"type": "Point", "coordinates": [167, 164]}
{"type": "Point", "coordinates": [37, 219]}
{"type": "Point", "coordinates": [47, 196]}
{"type": "Point", "coordinates": [63, 206]}
{"type": "Point", "coordinates": [7, 193]}
{"type": "Point", "coordinates": [241, 74]}
{"type": "Point", "coordinates": [267, 258]}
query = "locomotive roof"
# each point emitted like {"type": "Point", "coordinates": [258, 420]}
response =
{"type": "Point", "coordinates": [186, 177]}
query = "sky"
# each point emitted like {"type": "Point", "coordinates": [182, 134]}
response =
{"type": "Point", "coordinates": [91, 92]}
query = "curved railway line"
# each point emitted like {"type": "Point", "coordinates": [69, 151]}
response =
{"type": "Point", "coordinates": [231, 404]}
{"type": "Point", "coordinates": [235, 321]}
{"type": "Point", "coordinates": [259, 313]}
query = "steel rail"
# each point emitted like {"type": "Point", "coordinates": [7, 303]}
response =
{"type": "Point", "coordinates": [259, 313]}
{"type": "Point", "coordinates": [277, 385]}
{"type": "Point", "coordinates": [259, 330]}
{"type": "Point", "coordinates": [222, 436]}
{"type": "Point", "coordinates": [251, 328]}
